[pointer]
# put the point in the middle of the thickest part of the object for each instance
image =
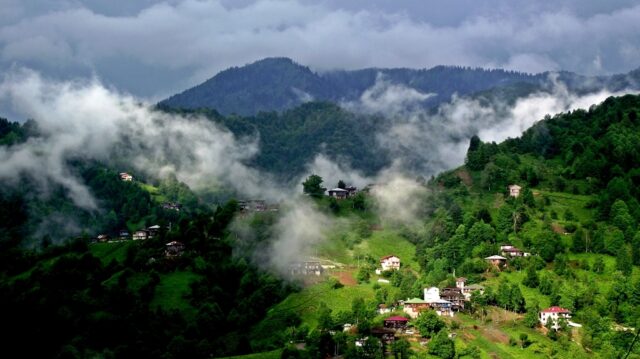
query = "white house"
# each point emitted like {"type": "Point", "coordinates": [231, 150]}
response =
{"type": "Point", "coordinates": [441, 306]}
{"type": "Point", "coordinates": [140, 235]}
{"type": "Point", "coordinates": [126, 177]}
{"type": "Point", "coordinates": [338, 193]}
{"type": "Point", "coordinates": [390, 262]}
{"type": "Point", "coordinates": [514, 190]}
{"type": "Point", "coordinates": [554, 314]}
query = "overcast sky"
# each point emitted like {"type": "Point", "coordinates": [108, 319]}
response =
{"type": "Point", "coordinates": [152, 49]}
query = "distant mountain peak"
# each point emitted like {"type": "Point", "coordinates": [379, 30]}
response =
{"type": "Point", "coordinates": [280, 83]}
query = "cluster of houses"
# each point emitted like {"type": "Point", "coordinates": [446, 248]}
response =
{"type": "Point", "coordinates": [387, 333]}
{"type": "Point", "coordinates": [256, 205]}
{"type": "Point", "coordinates": [444, 302]}
{"type": "Point", "coordinates": [507, 251]}
{"type": "Point", "coordinates": [172, 249]}
{"type": "Point", "coordinates": [306, 268]}
{"type": "Point", "coordinates": [124, 235]}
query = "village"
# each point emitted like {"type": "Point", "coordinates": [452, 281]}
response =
{"type": "Point", "coordinates": [398, 319]}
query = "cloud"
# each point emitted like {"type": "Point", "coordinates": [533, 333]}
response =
{"type": "Point", "coordinates": [399, 199]}
{"type": "Point", "coordinates": [386, 97]}
{"type": "Point", "coordinates": [332, 172]}
{"type": "Point", "coordinates": [84, 119]}
{"type": "Point", "coordinates": [425, 143]}
{"type": "Point", "coordinates": [296, 233]}
{"type": "Point", "coordinates": [189, 41]}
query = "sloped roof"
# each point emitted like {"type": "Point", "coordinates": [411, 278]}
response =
{"type": "Point", "coordinates": [338, 190]}
{"type": "Point", "coordinates": [474, 286]}
{"type": "Point", "coordinates": [389, 256]}
{"type": "Point", "coordinates": [556, 309]}
{"type": "Point", "coordinates": [397, 318]}
{"type": "Point", "coordinates": [415, 301]}
{"type": "Point", "coordinates": [496, 257]}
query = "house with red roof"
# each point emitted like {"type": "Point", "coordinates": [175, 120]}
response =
{"type": "Point", "coordinates": [554, 314]}
{"type": "Point", "coordinates": [396, 322]}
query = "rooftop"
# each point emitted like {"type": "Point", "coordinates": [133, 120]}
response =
{"type": "Point", "coordinates": [397, 319]}
{"type": "Point", "coordinates": [414, 301]}
{"type": "Point", "coordinates": [556, 309]}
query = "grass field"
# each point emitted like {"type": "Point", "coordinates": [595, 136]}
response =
{"type": "Point", "coordinates": [171, 290]}
{"type": "Point", "coordinates": [111, 251]}
{"type": "Point", "coordinates": [387, 242]}
{"type": "Point", "coordinates": [153, 191]}
{"type": "Point", "coordinates": [307, 301]}
{"type": "Point", "coordinates": [492, 338]}
{"type": "Point", "coordinates": [265, 355]}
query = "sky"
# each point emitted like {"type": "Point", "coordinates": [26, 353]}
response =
{"type": "Point", "coordinates": [153, 49]}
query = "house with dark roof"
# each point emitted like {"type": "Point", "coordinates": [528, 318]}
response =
{"type": "Point", "coordinates": [338, 193]}
{"type": "Point", "coordinates": [414, 306]}
{"type": "Point", "coordinates": [173, 249]}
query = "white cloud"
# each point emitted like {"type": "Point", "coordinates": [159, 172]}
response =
{"type": "Point", "coordinates": [198, 38]}
{"type": "Point", "coordinates": [87, 120]}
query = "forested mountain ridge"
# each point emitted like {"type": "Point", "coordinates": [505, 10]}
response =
{"type": "Point", "coordinates": [290, 140]}
{"type": "Point", "coordinates": [277, 84]}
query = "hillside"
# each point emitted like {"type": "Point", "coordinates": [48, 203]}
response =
{"type": "Point", "coordinates": [278, 84]}
{"type": "Point", "coordinates": [577, 214]}
{"type": "Point", "coordinates": [580, 226]}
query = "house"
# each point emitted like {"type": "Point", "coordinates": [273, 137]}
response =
{"type": "Point", "coordinates": [467, 290]}
{"type": "Point", "coordinates": [153, 230]}
{"type": "Point", "coordinates": [173, 206]}
{"type": "Point", "coordinates": [253, 205]}
{"type": "Point", "coordinates": [386, 335]}
{"type": "Point", "coordinates": [124, 176]}
{"type": "Point", "coordinates": [514, 190]}
{"type": "Point", "coordinates": [140, 235]}
{"type": "Point", "coordinates": [103, 238]}
{"type": "Point", "coordinates": [352, 191]}
{"type": "Point", "coordinates": [173, 249]}
{"type": "Point", "coordinates": [305, 268]}
{"type": "Point", "coordinates": [455, 296]}
{"type": "Point", "coordinates": [396, 322]}
{"type": "Point", "coordinates": [414, 306]}
{"type": "Point", "coordinates": [384, 309]}
{"type": "Point", "coordinates": [512, 252]}
{"type": "Point", "coordinates": [554, 314]}
{"type": "Point", "coordinates": [123, 234]}
{"type": "Point", "coordinates": [496, 260]}
{"type": "Point", "coordinates": [433, 300]}
{"type": "Point", "coordinates": [390, 262]}
{"type": "Point", "coordinates": [338, 193]}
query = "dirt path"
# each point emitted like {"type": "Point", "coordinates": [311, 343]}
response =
{"type": "Point", "coordinates": [345, 277]}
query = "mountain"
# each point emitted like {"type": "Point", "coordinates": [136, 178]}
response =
{"type": "Point", "coordinates": [276, 84]}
